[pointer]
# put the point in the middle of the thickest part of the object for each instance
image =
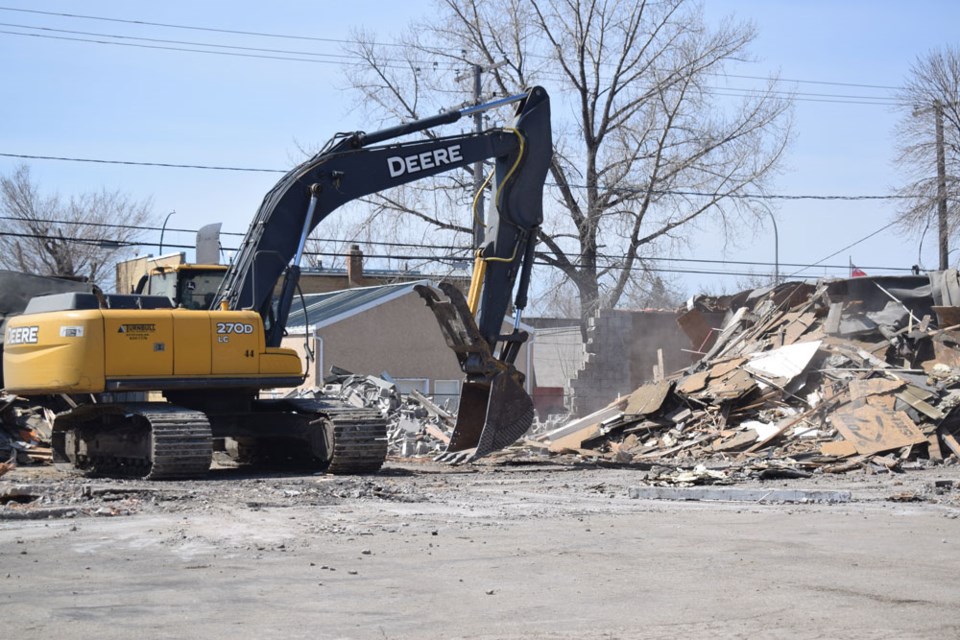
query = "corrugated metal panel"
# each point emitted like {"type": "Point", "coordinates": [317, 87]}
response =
{"type": "Point", "coordinates": [325, 308]}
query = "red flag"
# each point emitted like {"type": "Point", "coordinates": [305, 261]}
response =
{"type": "Point", "coordinates": [856, 272]}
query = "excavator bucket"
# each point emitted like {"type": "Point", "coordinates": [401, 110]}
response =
{"type": "Point", "coordinates": [495, 410]}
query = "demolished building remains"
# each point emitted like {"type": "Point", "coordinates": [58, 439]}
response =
{"type": "Point", "coordinates": [799, 379]}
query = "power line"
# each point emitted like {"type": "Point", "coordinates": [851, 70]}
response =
{"type": "Point", "coordinates": [849, 246]}
{"type": "Point", "coordinates": [405, 245]}
{"type": "Point", "coordinates": [168, 165]}
{"type": "Point", "coordinates": [180, 42]}
{"type": "Point", "coordinates": [164, 48]}
{"type": "Point", "coordinates": [671, 192]}
{"type": "Point", "coordinates": [821, 82]}
{"type": "Point", "coordinates": [287, 36]}
{"type": "Point", "coordinates": [177, 26]}
{"type": "Point", "coordinates": [341, 58]}
{"type": "Point", "coordinates": [737, 92]}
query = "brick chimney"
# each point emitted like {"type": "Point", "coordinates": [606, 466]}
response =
{"type": "Point", "coordinates": [355, 267]}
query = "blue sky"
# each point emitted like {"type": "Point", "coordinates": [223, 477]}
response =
{"type": "Point", "coordinates": [74, 99]}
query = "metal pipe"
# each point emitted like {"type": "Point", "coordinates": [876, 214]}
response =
{"type": "Point", "coordinates": [776, 250]}
{"type": "Point", "coordinates": [162, 230]}
{"type": "Point", "coordinates": [314, 190]}
{"type": "Point", "coordinates": [493, 104]}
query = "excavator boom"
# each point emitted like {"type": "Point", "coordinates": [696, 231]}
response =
{"type": "Point", "coordinates": [494, 408]}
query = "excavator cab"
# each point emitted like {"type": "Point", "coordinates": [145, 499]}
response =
{"type": "Point", "coordinates": [189, 286]}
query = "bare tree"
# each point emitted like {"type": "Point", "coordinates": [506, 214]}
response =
{"type": "Point", "coordinates": [78, 238]}
{"type": "Point", "coordinates": [930, 94]}
{"type": "Point", "coordinates": [644, 148]}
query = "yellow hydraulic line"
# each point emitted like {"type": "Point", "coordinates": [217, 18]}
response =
{"type": "Point", "coordinates": [476, 283]}
{"type": "Point", "coordinates": [480, 263]}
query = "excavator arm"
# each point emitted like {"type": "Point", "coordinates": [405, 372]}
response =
{"type": "Point", "coordinates": [494, 408]}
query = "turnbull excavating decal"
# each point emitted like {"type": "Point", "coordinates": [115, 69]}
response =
{"type": "Point", "coordinates": [139, 331]}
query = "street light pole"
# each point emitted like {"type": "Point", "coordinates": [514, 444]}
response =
{"type": "Point", "coordinates": [162, 230]}
{"type": "Point", "coordinates": [776, 250]}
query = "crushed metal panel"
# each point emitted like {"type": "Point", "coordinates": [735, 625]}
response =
{"type": "Point", "coordinates": [696, 327]}
{"type": "Point", "coordinates": [594, 418]}
{"type": "Point", "coordinates": [916, 398]}
{"type": "Point", "coordinates": [947, 316]}
{"type": "Point", "coordinates": [946, 348]}
{"type": "Point", "coordinates": [832, 324]}
{"type": "Point", "coordinates": [856, 325]}
{"type": "Point", "coordinates": [874, 431]}
{"type": "Point", "coordinates": [647, 399]}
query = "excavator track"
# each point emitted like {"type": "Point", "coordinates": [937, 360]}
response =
{"type": "Point", "coordinates": [153, 441]}
{"type": "Point", "coordinates": [359, 440]}
{"type": "Point", "coordinates": [182, 443]}
{"type": "Point", "coordinates": [313, 434]}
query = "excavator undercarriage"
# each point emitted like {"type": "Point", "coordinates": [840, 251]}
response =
{"type": "Point", "coordinates": [163, 441]}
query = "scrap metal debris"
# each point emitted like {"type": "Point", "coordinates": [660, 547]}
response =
{"type": "Point", "coordinates": [416, 426]}
{"type": "Point", "coordinates": [800, 379]}
{"type": "Point", "coordinates": [25, 431]}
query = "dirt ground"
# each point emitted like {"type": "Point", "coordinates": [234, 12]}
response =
{"type": "Point", "coordinates": [544, 551]}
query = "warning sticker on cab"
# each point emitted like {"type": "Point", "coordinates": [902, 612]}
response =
{"type": "Point", "coordinates": [71, 332]}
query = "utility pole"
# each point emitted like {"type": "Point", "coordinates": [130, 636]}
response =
{"type": "Point", "coordinates": [479, 214]}
{"type": "Point", "coordinates": [477, 211]}
{"type": "Point", "coordinates": [941, 189]}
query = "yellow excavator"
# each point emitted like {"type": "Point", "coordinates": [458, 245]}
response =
{"type": "Point", "coordinates": [211, 364]}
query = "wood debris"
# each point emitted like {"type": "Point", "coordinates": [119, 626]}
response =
{"type": "Point", "coordinates": [844, 375]}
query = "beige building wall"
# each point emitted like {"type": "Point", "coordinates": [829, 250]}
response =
{"type": "Point", "coordinates": [400, 337]}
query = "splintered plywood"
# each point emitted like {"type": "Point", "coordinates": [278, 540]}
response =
{"type": "Point", "coordinates": [798, 327]}
{"type": "Point", "coordinates": [693, 383]}
{"type": "Point", "coordinates": [735, 384]}
{"type": "Point", "coordinates": [873, 387]}
{"type": "Point", "coordinates": [574, 440]}
{"type": "Point", "coordinates": [838, 448]}
{"type": "Point", "coordinates": [872, 430]}
{"type": "Point", "coordinates": [647, 399]}
{"type": "Point", "coordinates": [724, 367]}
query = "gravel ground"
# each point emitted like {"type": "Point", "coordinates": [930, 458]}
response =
{"type": "Point", "coordinates": [551, 549]}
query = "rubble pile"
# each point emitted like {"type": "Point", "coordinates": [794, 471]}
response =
{"type": "Point", "coordinates": [416, 426]}
{"type": "Point", "coordinates": [801, 379]}
{"type": "Point", "coordinates": [25, 431]}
